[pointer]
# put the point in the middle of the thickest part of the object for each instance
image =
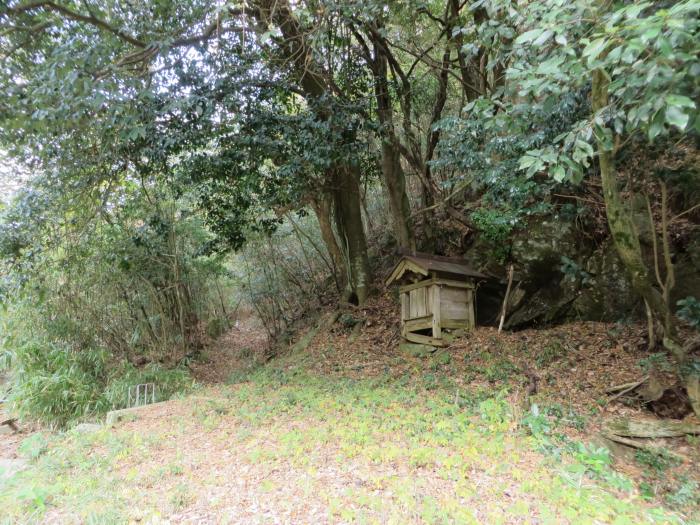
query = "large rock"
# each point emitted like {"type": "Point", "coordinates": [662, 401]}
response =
{"type": "Point", "coordinates": [538, 249]}
{"type": "Point", "coordinates": [416, 349]}
{"type": "Point", "coordinates": [544, 294]}
{"type": "Point", "coordinates": [687, 268]}
{"type": "Point", "coordinates": [605, 293]}
{"type": "Point", "coordinates": [594, 287]}
{"type": "Point", "coordinates": [540, 293]}
{"type": "Point", "coordinates": [547, 305]}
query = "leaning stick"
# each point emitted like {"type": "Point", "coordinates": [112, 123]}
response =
{"type": "Point", "coordinates": [505, 299]}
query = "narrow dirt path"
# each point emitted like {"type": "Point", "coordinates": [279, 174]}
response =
{"type": "Point", "coordinates": [244, 343]}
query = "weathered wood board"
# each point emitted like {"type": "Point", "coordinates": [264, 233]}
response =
{"type": "Point", "coordinates": [437, 295]}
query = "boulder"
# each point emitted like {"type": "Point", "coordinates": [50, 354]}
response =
{"type": "Point", "coordinates": [544, 294]}
{"type": "Point", "coordinates": [687, 268]}
{"type": "Point", "coordinates": [563, 276]}
{"type": "Point", "coordinates": [606, 293]}
{"type": "Point", "coordinates": [546, 305]}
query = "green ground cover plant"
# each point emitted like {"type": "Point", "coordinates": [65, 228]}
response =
{"type": "Point", "coordinates": [309, 423]}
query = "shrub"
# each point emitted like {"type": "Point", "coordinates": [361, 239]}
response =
{"type": "Point", "coordinates": [686, 495]}
{"type": "Point", "coordinates": [58, 385]}
{"type": "Point", "coordinates": [34, 446]}
{"type": "Point", "coordinates": [82, 299]}
{"type": "Point", "coordinates": [659, 461]}
{"type": "Point", "coordinates": [55, 384]}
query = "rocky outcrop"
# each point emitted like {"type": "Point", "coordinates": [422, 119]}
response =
{"type": "Point", "coordinates": [562, 276]}
{"type": "Point", "coordinates": [604, 293]}
{"type": "Point", "coordinates": [687, 268]}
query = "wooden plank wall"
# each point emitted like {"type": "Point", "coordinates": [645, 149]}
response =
{"type": "Point", "coordinates": [419, 304]}
{"type": "Point", "coordinates": [457, 307]}
{"type": "Point", "coordinates": [454, 303]}
{"type": "Point", "coordinates": [435, 302]}
{"type": "Point", "coordinates": [448, 307]}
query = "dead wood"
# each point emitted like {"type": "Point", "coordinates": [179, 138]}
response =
{"type": "Point", "coordinates": [641, 446]}
{"type": "Point", "coordinates": [647, 428]}
{"type": "Point", "coordinates": [624, 389]}
{"type": "Point", "coordinates": [625, 386]}
{"type": "Point", "coordinates": [12, 423]}
{"type": "Point", "coordinates": [504, 308]}
{"type": "Point", "coordinates": [692, 386]}
{"type": "Point", "coordinates": [663, 399]}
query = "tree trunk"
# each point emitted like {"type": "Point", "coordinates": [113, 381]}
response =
{"type": "Point", "coordinates": [395, 181]}
{"type": "Point", "coordinates": [622, 227]}
{"type": "Point", "coordinates": [392, 171]}
{"type": "Point", "coordinates": [322, 209]}
{"type": "Point", "coordinates": [348, 219]}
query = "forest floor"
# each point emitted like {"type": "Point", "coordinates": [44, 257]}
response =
{"type": "Point", "coordinates": [348, 429]}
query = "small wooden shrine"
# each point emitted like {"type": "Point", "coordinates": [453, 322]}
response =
{"type": "Point", "coordinates": [437, 293]}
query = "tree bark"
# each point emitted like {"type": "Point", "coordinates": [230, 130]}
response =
{"type": "Point", "coordinates": [348, 219]}
{"type": "Point", "coordinates": [322, 209]}
{"type": "Point", "coordinates": [622, 229]}
{"type": "Point", "coordinates": [392, 171]}
{"type": "Point", "coordinates": [395, 182]}
{"type": "Point", "coordinates": [343, 179]}
{"type": "Point", "coordinates": [470, 81]}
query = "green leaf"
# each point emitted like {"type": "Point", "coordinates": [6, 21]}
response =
{"type": "Point", "coordinates": [266, 37]}
{"type": "Point", "coordinates": [651, 33]}
{"type": "Point", "coordinates": [527, 161]}
{"type": "Point", "coordinates": [558, 173]}
{"type": "Point", "coordinates": [680, 101]}
{"type": "Point", "coordinates": [528, 36]}
{"type": "Point", "coordinates": [657, 125]}
{"type": "Point", "coordinates": [615, 54]}
{"type": "Point", "coordinates": [665, 47]}
{"type": "Point", "coordinates": [634, 10]}
{"type": "Point", "coordinates": [561, 137]}
{"type": "Point", "coordinates": [676, 117]}
{"type": "Point", "coordinates": [551, 66]}
{"type": "Point", "coordinates": [592, 50]}
{"type": "Point", "coordinates": [604, 136]}
{"type": "Point", "coordinates": [543, 38]}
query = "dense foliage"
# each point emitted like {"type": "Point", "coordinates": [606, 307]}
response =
{"type": "Point", "coordinates": [88, 303]}
{"type": "Point", "coordinates": [165, 136]}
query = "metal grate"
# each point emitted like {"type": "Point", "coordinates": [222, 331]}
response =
{"type": "Point", "coordinates": [143, 394]}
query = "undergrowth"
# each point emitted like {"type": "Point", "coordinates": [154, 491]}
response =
{"type": "Point", "coordinates": [57, 385]}
{"type": "Point", "coordinates": [456, 423]}
{"type": "Point", "coordinates": [282, 417]}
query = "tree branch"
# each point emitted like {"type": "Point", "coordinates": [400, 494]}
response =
{"type": "Point", "coordinates": [48, 5]}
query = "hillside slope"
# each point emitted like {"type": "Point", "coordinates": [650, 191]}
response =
{"type": "Point", "coordinates": [348, 429]}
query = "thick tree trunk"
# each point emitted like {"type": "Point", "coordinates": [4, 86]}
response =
{"type": "Point", "coordinates": [469, 83]}
{"type": "Point", "coordinates": [622, 227]}
{"type": "Point", "coordinates": [395, 181]}
{"type": "Point", "coordinates": [628, 248]}
{"type": "Point", "coordinates": [348, 219]}
{"type": "Point", "coordinates": [322, 209]}
{"type": "Point", "coordinates": [392, 171]}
